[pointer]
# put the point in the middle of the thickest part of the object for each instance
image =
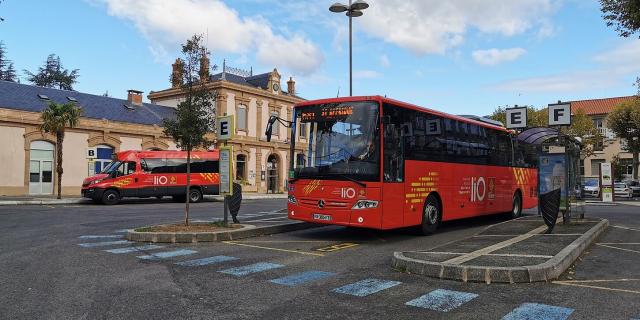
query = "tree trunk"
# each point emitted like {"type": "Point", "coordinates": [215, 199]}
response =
{"type": "Point", "coordinates": [186, 208]}
{"type": "Point", "coordinates": [59, 140]}
{"type": "Point", "coordinates": [635, 165]}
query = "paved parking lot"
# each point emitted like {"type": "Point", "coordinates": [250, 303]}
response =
{"type": "Point", "coordinates": [70, 262]}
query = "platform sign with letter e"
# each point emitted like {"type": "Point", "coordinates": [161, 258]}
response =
{"type": "Point", "coordinates": [516, 118]}
{"type": "Point", "coordinates": [225, 128]}
{"type": "Point", "coordinates": [560, 114]}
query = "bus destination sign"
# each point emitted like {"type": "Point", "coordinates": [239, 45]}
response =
{"type": "Point", "coordinates": [327, 112]}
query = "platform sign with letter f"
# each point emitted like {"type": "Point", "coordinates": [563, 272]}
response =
{"type": "Point", "coordinates": [560, 114]}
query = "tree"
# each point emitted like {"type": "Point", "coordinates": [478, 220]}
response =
{"type": "Point", "coordinates": [53, 75]}
{"type": "Point", "coordinates": [582, 127]}
{"type": "Point", "coordinates": [194, 116]}
{"type": "Point", "coordinates": [624, 121]}
{"type": "Point", "coordinates": [7, 72]}
{"type": "Point", "coordinates": [55, 119]}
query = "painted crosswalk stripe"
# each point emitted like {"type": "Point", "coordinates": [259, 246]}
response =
{"type": "Point", "coordinates": [205, 261]}
{"type": "Point", "coordinates": [442, 300]}
{"type": "Point", "coordinates": [527, 311]}
{"type": "Point", "coordinates": [122, 231]}
{"type": "Point", "coordinates": [103, 244]}
{"type": "Point", "coordinates": [302, 277]}
{"type": "Point", "coordinates": [134, 249]}
{"type": "Point", "coordinates": [366, 287]}
{"type": "Point", "coordinates": [112, 236]}
{"type": "Point", "coordinates": [252, 268]}
{"type": "Point", "coordinates": [168, 254]}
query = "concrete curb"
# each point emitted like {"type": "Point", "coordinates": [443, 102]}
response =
{"type": "Point", "coordinates": [88, 201]}
{"type": "Point", "coordinates": [248, 231]}
{"type": "Point", "coordinates": [549, 270]}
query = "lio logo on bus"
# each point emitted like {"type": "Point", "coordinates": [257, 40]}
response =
{"type": "Point", "coordinates": [345, 193]}
{"type": "Point", "coordinates": [160, 180]}
{"type": "Point", "coordinates": [482, 188]}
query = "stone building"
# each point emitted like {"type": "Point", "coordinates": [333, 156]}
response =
{"type": "Point", "coordinates": [611, 146]}
{"type": "Point", "coordinates": [259, 165]}
{"type": "Point", "coordinates": [27, 165]}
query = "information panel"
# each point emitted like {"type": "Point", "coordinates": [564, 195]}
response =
{"type": "Point", "coordinates": [226, 168]}
{"type": "Point", "coordinates": [606, 182]}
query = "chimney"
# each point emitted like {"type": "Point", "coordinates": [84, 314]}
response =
{"type": "Point", "coordinates": [134, 97]}
{"type": "Point", "coordinates": [291, 86]}
{"type": "Point", "coordinates": [204, 68]}
{"type": "Point", "coordinates": [177, 73]}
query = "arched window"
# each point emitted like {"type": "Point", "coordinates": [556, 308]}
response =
{"type": "Point", "coordinates": [300, 160]}
{"type": "Point", "coordinates": [241, 167]}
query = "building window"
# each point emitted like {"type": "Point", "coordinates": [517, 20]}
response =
{"type": "Point", "coordinates": [241, 120]}
{"type": "Point", "coordinates": [303, 130]}
{"type": "Point", "coordinates": [598, 123]}
{"type": "Point", "coordinates": [598, 145]}
{"type": "Point", "coordinates": [300, 160]}
{"type": "Point", "coordinates": [582, 167]}
{"type": "Point", "coordinates": [595, 166]}
{"type": "Point", "coordinates": [276, 125]}
{"type": "Point", "coordinates": [241, 167]}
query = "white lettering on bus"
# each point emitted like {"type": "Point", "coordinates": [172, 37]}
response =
{"type": "Point", "coordinates": [476, 195]}
{"type": "Point", "coordinates": [160, 180]}
{"type": "Point", "coordinates": [349, 193]}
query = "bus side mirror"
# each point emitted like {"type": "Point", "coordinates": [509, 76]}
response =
{"type": "Point", "coordinates": [269, 130]}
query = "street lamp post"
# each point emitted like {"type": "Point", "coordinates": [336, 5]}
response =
{"type": "Point", "coordinates": [353, 10]}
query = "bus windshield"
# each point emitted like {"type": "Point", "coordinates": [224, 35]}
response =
{"type": "Point", "coordinates": [110, 167]}
{"type": "Point", "coordinates": [341, 141]}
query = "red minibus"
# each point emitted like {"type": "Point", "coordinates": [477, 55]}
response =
{"type": "Point", "coordinates": [379, 163]}
{"type": "Point", "coordinates": [154, 174]}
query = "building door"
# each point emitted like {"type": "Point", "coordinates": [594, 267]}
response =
{"type": "Point", "coordinates": [272, 174]}
{"type": "Point", "coordinates": [41, 168]}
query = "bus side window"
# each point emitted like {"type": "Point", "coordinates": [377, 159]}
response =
{"type": "Point", "coordinates": [393, 144]}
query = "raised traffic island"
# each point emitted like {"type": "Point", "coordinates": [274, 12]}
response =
{"type": "Point", "coordinates": [515, 251]}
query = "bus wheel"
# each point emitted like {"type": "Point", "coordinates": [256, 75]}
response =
{"type": "Point", "coordinates": [159, 197]}
{"type": "Point", "coordinates": [195, 195]}
{"type": "Point", "coordinates": [110, 197]}
{"type": "Point", "coordinates": [431, 215]}
{"type": "Point", "coordinates": [516, 210]}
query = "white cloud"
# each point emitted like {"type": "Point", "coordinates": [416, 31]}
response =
{"type": "Point", "coordinates": [166, 24]}
{"type": "Point", "coordinates": [433, 26]}
{"type": "Point", "coordinates": [492, 57]}
{"type": "Point", "coordinates": [612, 69]}
{"type": "Point", "coordinates": [366, 74]}
{"type": "Point", "coordinates": [384, 61]}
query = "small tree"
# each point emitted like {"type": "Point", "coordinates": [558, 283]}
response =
{"type": "Point", "coordinates": [582, 127]}
{"type": "Point", "coordinates": [7, 72]}
{"type": "Point", "coordinates": [624, 121]}
{"type": "Point", "coordinates": [53, 75]}
{"type": "Point", "coordinates": [55, 119]}
{"type": "Point", "coordinates": [194, 116]}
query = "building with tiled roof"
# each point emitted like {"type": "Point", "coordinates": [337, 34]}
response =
{"type": "Point", "coordinates": [107, 124]}
{"type": "Point", "coordinates": [260, 166]}
{"type": "Point", "coordinates": [611, 145]}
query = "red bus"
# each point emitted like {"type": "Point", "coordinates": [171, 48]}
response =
{"type": "Point", "coordinates": [379, 163]}
{"type": "Point", "coordinates": [154, 174]}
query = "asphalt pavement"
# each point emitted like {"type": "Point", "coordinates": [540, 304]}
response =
{"type": "Point", "coordinates": [67, 262]}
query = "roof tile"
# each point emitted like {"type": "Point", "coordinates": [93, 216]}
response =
{"type": "Point", "coordinates": [598, 106]}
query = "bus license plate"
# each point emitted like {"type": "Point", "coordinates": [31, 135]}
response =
{"type": "Point", "coordinates": [323, 217]}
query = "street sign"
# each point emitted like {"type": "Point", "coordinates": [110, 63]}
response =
{"type": "Point", "coordinates": [225, 128]}
{"type": "Point", "coordinates": [516, 118]}
{"type": "Point", "coordinates": [226, 168]}
{"type": "Point", "coordinates": [92, 153]}
{"type": "Point", "coordinates": [606, 182]}
{"type": "Point", "coordinates": [560, 114]}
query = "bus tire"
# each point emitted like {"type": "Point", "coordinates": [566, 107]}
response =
{"type": "Point", "coordinates": [516, 208]}
{"type": "Point", "coordinates": [195, 195]}
{"type": "Point", "coordinates": [431, 215]}
{"type": "Point", "coordinates": [110, 197]}
{"type": "Point", "coordinates": [159, 197]}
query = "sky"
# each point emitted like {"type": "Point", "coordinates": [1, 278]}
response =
{"type": "Point", "coordinates": [458, 56]}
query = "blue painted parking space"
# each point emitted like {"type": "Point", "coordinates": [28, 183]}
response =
{"type": "Point", "coordinates": [104, 244]}
{"type": "Point", "coordinates": [252, 268]}
{"type": "Point", "coordinates": [366, 287]}
{"type": "Point", "coordinates": [167, 254]}
{"type": "Point", "coordinates": [302, 277]}
{"type": "Point", "coordinates": [442, 300]}
{"type": "Point", "coordinates": [536, 311]}
{"type": "Point", "coordinates": [134, 249]}
{"type": "Point", "coordinates": [205, 261]}
{"type": "Point", "coordinates": [110, 236]}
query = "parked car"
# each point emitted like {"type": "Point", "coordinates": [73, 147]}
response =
{"type": "Point", "coordinates": [622, 190]}
{"type": "Point", "coordinates": [635, 186]}
{"type": "Point", "coordinates": [591, 188]}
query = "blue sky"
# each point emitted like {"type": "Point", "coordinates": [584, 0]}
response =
{"type": "Point", "coordinates": [462, 57]}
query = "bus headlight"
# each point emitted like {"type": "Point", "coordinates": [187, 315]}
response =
{"type": "Point", "coordinates": [365, 204]}
{"type": "Point", "coordinates": [95, 181]}
{"type": "Point", "coordinates": [292, 199]}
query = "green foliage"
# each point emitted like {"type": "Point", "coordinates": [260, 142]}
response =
{"type": "Point", "coordinates": [624, 121]}
{"type": "Point", "coordinates": [53, 75]}
{"type": "Point", "coordinates": [582, 127]}
{"type": "Point", "coordinates": [618, 167]}
{"type": "Point", "coordinates": [55, 119]}
{"type": "Point", "coordinates": [623, 14]}
{"type": "Point", "coordinates": [7, 71]}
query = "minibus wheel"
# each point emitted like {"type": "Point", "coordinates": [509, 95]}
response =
{"type": "Point", "coordinates": [195, 195]}
{"type": "Point", "coordinates": [431, 215]}
{"type": "Point", "coordinates": [110, 197]}
{"type": "Point", "coordinates": [516, 209]}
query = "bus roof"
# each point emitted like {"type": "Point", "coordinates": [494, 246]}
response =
{"type": "Point", "coordinates": [403, 105]}
{"type": "Point", "coordinates": [176, 154]}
